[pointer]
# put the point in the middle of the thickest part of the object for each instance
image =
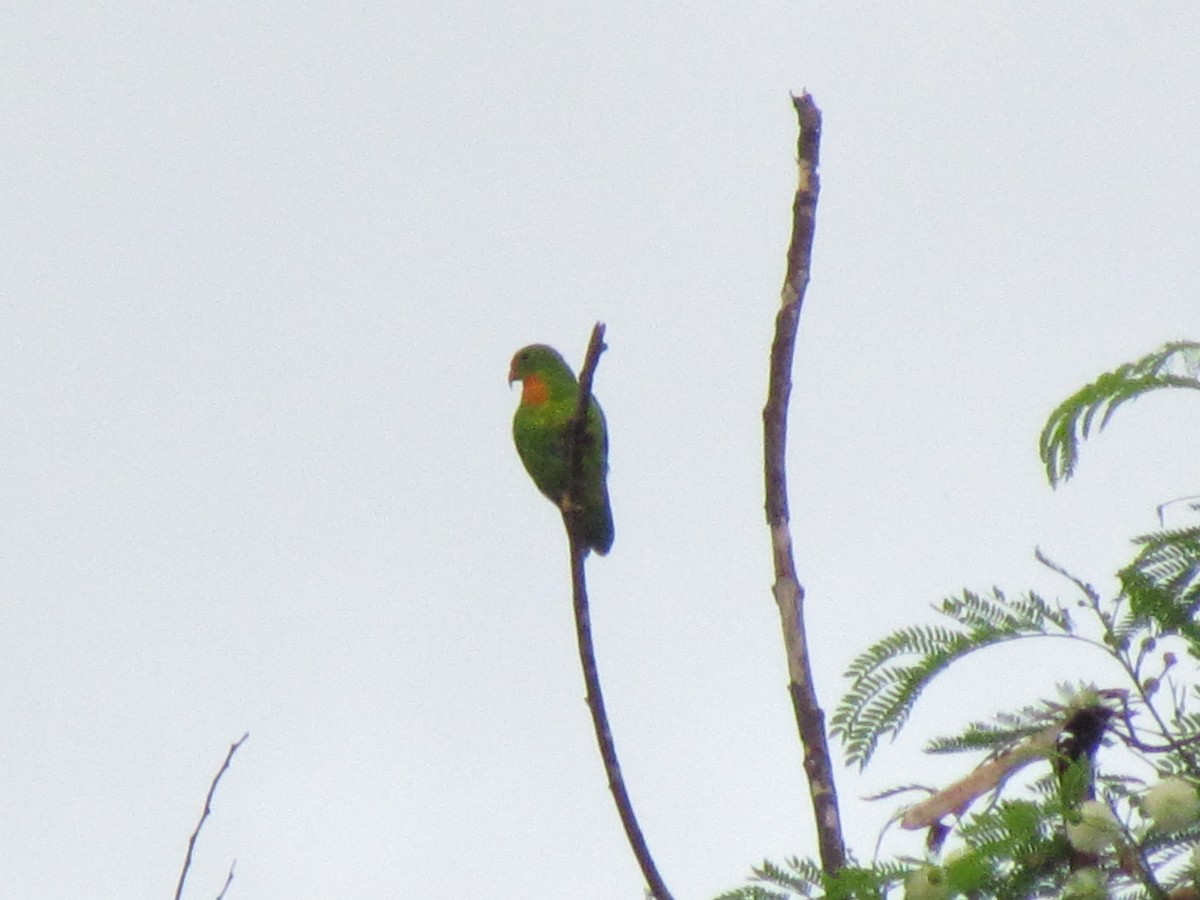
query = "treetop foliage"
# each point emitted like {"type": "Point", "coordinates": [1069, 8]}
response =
{"type": "Point", "coordinates": [1110, 802]}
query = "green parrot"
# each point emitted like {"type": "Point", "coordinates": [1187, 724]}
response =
{"type": "Point", "coordinates": [549, 394]}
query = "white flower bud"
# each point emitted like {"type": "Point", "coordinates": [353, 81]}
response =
{"type": "Point", "coordinates": [1096, 829]}
{"type": "Point", "coordinates": [1171, 804]}
{"type": "Point", "coordinates": [927, 883]}
{"type": "Point", "coordinates": [1085, 884]}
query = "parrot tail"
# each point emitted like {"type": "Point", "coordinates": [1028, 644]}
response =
{"type": "Point", "coordinates": [598, 524]}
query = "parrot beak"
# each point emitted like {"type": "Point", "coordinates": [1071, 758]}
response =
{"type": "Point", "coordinates": [512, 376]}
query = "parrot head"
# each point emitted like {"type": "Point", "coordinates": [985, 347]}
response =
{"type": "Point", "coordinates": [542, 372]}
{"type": "Point", "coordinates": [535, 360]}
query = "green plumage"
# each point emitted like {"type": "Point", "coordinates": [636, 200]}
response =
{"type": "Point", "coordinates": [549, 395]}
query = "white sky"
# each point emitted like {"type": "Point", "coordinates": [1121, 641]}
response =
{"type": "Point", "coordinates": [263, 270]}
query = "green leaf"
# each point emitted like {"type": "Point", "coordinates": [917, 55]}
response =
{"type": "Point", "coordinates": [1174, 365]}
{"type": "Point", "coordinates": [889, 677]}
{"type": "Point", "coordinates": [1163, 582]}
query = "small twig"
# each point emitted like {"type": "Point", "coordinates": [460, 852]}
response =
{"type": "Point", "coordinates": [228, 881]}
{"type": "Point", "coordinates": [1088, 591]}
{"type": "Point", "coordinates": [583, 625]}
{"type": "Point", "coordinates": [212, 789]}
{"type": "Point", "coordinates": [1190, 500]}
{"type": "Point", "coordinates": [789, 593]}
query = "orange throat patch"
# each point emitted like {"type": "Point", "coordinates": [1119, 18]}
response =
{"type": "Point", "coordinates": [534, 391]}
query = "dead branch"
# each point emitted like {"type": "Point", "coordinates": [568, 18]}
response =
{"type": "Point", "coordinates": [955, 798]}
{"type": "Point", "coordinates": [789, 593]}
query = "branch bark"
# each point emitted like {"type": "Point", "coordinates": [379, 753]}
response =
{"type": "Point", "coordinates": [789, 593]}
{"type": "Point", "coordinates": [583, 626]}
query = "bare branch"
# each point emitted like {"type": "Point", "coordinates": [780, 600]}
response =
{"type": "Point", "coordinates": [583, 627]}
{"type": "Point", "coordinates": [789, 593]}
{"type": "Point", "coordinates": [212, 789]}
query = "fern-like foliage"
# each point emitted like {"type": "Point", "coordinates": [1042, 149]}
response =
{"type": "Point", "coordinates": [1172, 858]}
{"type": "Point", "coordinates": [1013, 849]}
{"type": "Point", "coordinates": [802, 879]}
{"type": "Point", "coordinates": [797, 878]}
{"type": "Point", "coordinates": [1174, 365]}
{"type": "Point", "coordinates": [1006, 731]}
{"type": "Point", "coordinates": [754, 892]}
{"type": "Point", "coordinates": [888, 678]}
{"type": "Point", "coordinates": [1162, 584]}
{"type": "Point", "coordinates": [1017, 844]}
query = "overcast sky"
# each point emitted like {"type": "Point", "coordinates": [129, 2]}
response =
{"type": "Point", "coordinates": [264, 265]}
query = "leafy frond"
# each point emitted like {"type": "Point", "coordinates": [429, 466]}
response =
{"type": "Point", "coordinates": [1028, 612]}
{"type": "Point", "coordinates": [890, 675]}
{"type": "Point", "coordinates": [1007, 730]}
{"type": "Point", "coordinates": [1015, 848]}
{"type": "Point", "coordinates": [803, 878]}
{"type": "Point", "coordinates": [1175, 754]}
{"type": "Point", "coordinates": [800, 878]}
{"type": "Point", "coordinates": [1006, 827]}
{"type": "Point", "coordinates": [1163, 582]}
{"type": "Point", "coordinates": [753, 892]}
{"type": "Point", "coordinates": [863, 882]}
{"type": "Point", "coordinates": [1175, 365]}
{"type": "Point", "coordinates": [1172, 856]}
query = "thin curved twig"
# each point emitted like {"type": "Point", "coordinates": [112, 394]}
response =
{"type": "Point", "coordinates": [212, 789]}
{"type": "Point", "coordinates": [583, 625]}
{"type": "Point", "coordinates": [228, 881]}
{"type": "Point", "coordinates": [789, 593]}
